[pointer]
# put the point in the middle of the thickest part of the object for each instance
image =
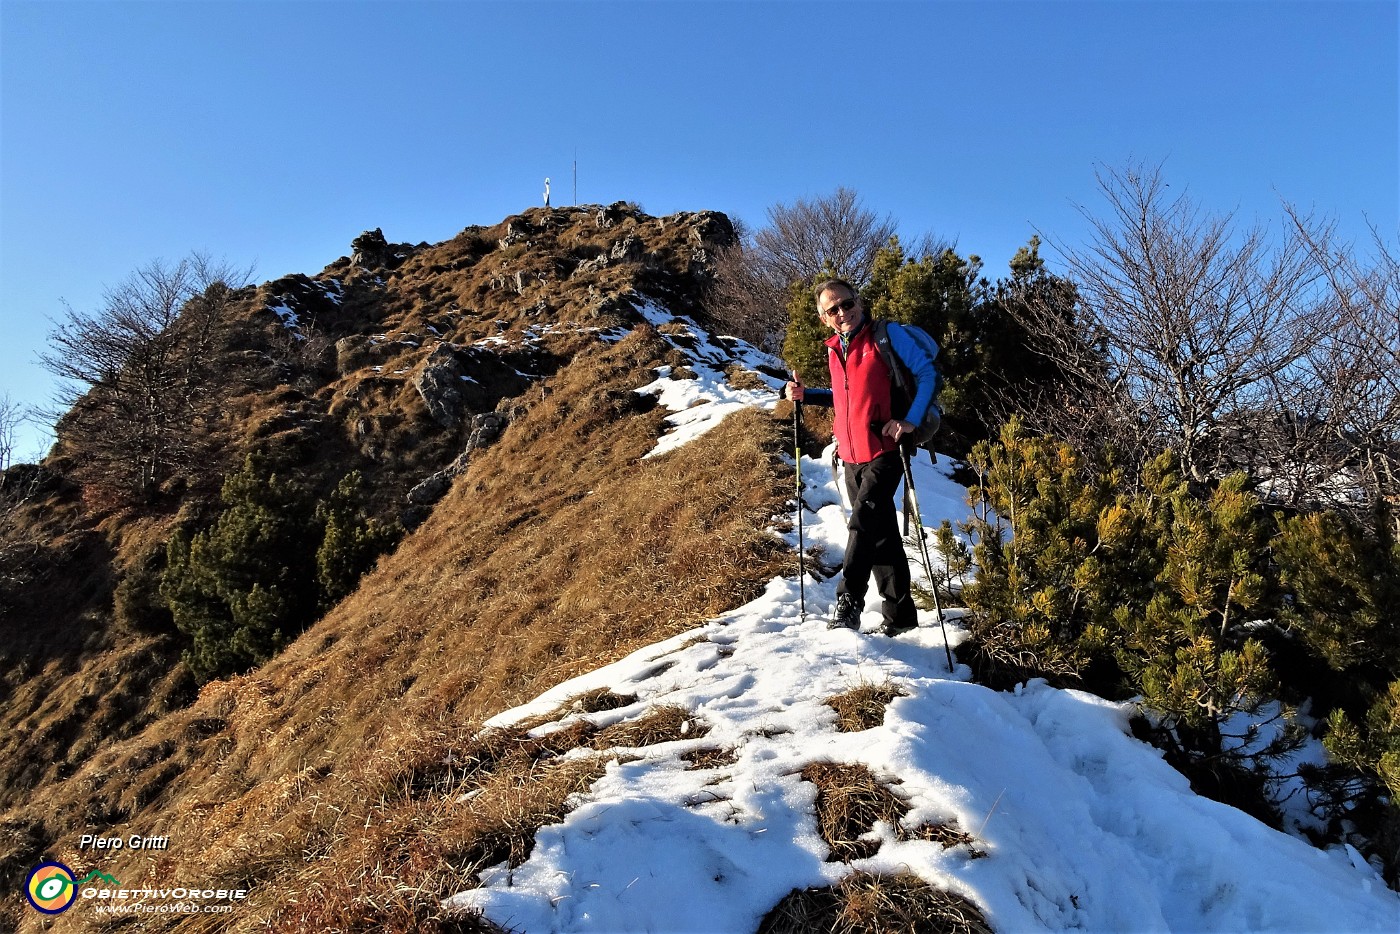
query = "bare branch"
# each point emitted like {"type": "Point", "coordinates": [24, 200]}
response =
{"type": "Point", "coordinates": [833, 233]}
{"type": "Point", "coordinates": [1199, 320]}
{"type": "Point", "coordinates": [136, 374]}
{"type": "Point", "coordinates": [1353, 371]}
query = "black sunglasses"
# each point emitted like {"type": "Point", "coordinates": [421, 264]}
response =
{"type": "Point", "coordinates": [846, 304]}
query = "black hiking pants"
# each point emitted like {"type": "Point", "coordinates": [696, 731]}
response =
{"type": "Point", "coordinates": [873, 543]}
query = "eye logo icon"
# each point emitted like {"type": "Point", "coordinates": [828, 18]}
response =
{"type": "Point", "coordinates": [50, 888]}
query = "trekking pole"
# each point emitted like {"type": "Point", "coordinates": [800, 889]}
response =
{"type": "Point", "coordinates": [801, 544]}
{"type": "Point", "coordinates": [912, 498]}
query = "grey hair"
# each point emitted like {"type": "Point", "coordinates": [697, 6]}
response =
{"type": "Point", "coordinates": [826, 284]}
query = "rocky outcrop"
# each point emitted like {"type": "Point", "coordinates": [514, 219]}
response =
{"type": "Point", "coordinates": [626, 250]}
{"type": "Point", "coordinates": [440, 385]}
{"type": "Point", "coordinates": [486, 429]}
{"type": "Point", "coordinates": [370, 250]}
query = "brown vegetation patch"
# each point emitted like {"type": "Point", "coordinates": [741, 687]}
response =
{"type": "Point", "coordinates": [710, 757]}
{"type": "Point", "coordinates": [597, 701]}
{"type": "Point", "coordinates": [863, 706]}
{"type": "Point", "coordinates": [468, 764]}
{"type": "Point", "coordinates": [947, 836]}
{"type": "Point", "coordinates": [1002, 657]}
{"type": "Point", "coordinates": [390, 869]}
{"type": "Point", "coordinates": [850, 801]}
{"type": "Point", "coordinates": [741, 377]}
{"type": "Point", "coordinates": [863, 903]}
{"type": "Point", "coordinates": [664, 724]}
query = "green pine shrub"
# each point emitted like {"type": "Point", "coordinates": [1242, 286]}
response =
{"type": "Point", "coordinates": [1148, 593]}
{"type": "Point", "coordinates": [1373, 751]}
{"type": "Point", "coordinates": [1373, 748]}
{"type": "Point", "coordinates": [1345, 583]}
{"type": "Point", "coordinates": [137, 601]}
{"type": "Point", "coordinates": [1190, 652]}
{"type": "Point", "coordinates": [804, 346]}
{"type": "Point", "coordinates": [244, 587]}
{"type": "Point", "coordinates": [1051, 544]}
{"type": "Point", "coordinates": [1342, 610]}
{"type": "Point", "coordinates": [1217, 614]}
{"type": "Point", "coordinates": [956, 562]}
{"type": "Point", "coordinates": [272, 561]}
{"type": "Point", "coordinates": [350, 541]}
{"type": "Point", "coordinates": [1014, 371]}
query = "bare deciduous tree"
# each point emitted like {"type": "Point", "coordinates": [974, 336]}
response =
{"type": "Point", "coordinates": [19, 543]}
{"type": "Point", "coordinates": [742, 300]}
{"type": "Point", "coordinates": [11, 415]}
{"type": "Point", "coordinates": [1200, 323]}
{"type": "Point", "coordinates": [1352, 384]}
{"type": "Point", "coordinates": [834, 233]}
{"type": "Point", "coordinates": [137, 372]}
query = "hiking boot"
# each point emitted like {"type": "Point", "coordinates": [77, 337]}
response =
{"type": "Point", "coordinates": [890, 629]}
{"type": "Point", "coordinates": [846, 614]}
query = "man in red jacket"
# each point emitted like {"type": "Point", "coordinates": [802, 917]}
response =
{"type": "Point", "coordinates": [867, 439]}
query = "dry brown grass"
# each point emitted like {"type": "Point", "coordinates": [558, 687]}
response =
{"type": "Point", "coordinates": [851, 800]}
{"type": "Point", "coordinates": [558, 551]}
{"type": "Point", "coordinates": [390, 869]}
{"type": "Point", "coordinates": [597, 701]}
{"type": "Point", "coordinates": [1002, 657]}
{"type": "Point", "coordinates": [663, 724]}
{"type": "Point", "coordinates": [863, 706]}
{"type": "Point", "coordinates": [863, 903]}
{"type": "Point", "coordinates": [710, 757]}
{"type": "Point", "coordinates": [948, 837]}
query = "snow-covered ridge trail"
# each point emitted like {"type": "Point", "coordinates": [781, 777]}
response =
{"type": "Point", "coordinates": [1070, 823]}
{"type": "Point", "coordinates": [1082, 826]}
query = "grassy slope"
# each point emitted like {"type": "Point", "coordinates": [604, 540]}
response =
{"type": "Point", "coordinates": [546, 559]}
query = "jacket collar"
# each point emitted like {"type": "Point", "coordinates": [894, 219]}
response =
{"type": "Point", "coordinates": [842, 342]}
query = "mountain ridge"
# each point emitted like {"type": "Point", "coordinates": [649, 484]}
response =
{"type": "Point", "coordinates": [617, 557]}
{"type": "Point", "coordinates": [580, 421]}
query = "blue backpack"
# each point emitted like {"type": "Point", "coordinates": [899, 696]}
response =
{"type": "Point", "coordinates": [904, 383]}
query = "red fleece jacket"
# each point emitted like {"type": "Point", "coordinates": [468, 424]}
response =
{"type": "Point", "coordinates": [860, 388]}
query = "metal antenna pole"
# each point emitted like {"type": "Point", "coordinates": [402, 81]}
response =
{"type": "Point", "coordinates": [912, 498]}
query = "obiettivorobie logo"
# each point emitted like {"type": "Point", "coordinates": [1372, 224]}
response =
{"type": "Point", "coordinates": [51, 888]}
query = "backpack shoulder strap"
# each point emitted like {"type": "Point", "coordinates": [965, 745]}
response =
{"type": "Point", "coordinates": [880, 331]}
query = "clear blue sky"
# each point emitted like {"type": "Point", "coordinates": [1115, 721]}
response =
{"type": "Point", "coordinates": [274, 133]}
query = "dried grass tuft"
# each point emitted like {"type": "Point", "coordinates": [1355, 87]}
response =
{"type": "Point", "coordinates": [947, 836]}
{"type": "Point", "coordinates": [864, 903]}
{"type": "Point", "coordinates": [598, 700]}
{"type": "Point", "coordinates": [664, 724]}
{"type": "Point", "coordinates": [850, 801]}
{"type": "Point", "coordinates": [506, 814]}
{"type": "Point", "coordinates": [711, 757]}
{"type": "Point", "coordinates": [1003, 657]}
{"type": "Point", "coordinates": [804, 911]}
{"type": "Point", "coordinates": [389, 867]}
{"type": "Point", "coordinates": [863, 706]}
